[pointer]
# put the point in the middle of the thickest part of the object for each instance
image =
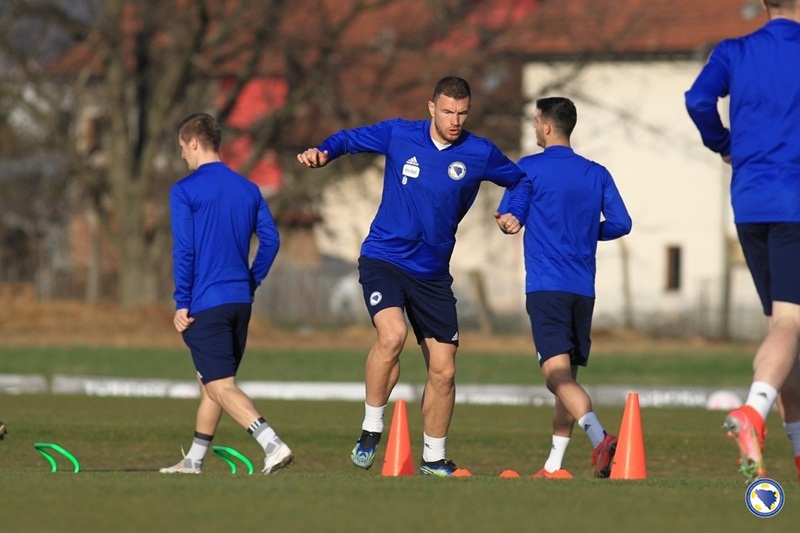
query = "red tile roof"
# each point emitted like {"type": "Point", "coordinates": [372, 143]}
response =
{"type": "Point", "coordinates": [527, 27]}
{"type": "Point", "coordinates": [629, 26]}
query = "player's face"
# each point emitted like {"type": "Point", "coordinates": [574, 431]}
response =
{"type": "Point", "coordinates": [187, 153]}
{"type": "Point", "coordinates": [538, 127]}
{"type": "Point", "coordinates": [447, 118]}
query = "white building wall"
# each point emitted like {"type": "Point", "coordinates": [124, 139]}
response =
{"type": "Point", "coordinates": [632, 119]}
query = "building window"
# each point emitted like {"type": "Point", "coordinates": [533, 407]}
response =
{"type": "Point", "coordinates": [673, 268]}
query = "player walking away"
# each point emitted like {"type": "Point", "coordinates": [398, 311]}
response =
{"type": "Point", "coordinates": [761, 73]}
{"type": "Point", "coordinates": [562, 227]}
{"type": "Point", "coordinates": [434, 169]}
{"type": "Point", "coordinates": [215, 212]}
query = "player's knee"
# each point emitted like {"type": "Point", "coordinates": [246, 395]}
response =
{"type": "Point", "coordinates": [214, 393]}
{"type": "Point", "coordinates": [552, 386]}
{"type": "Point", "coordinates": [218, 390]}
{"type": "Point", "coordinates": [557, 380]}
{"type": "Point", "coordinates": [392, 340]}
{"type": "Point", "coordinates": [442, 376]}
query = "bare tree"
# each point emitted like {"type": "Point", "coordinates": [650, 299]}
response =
{"type": "Point", "coordinates": [34, 191]}
{"type": "Point", "coordinates": [107, 80]}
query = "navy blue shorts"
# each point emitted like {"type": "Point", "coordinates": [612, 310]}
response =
{"type": "Point", "coordinates": [217, 338]}
{"type": "Point", "coordinates": [561, 322]}
{"type": "Point", "coordinates": [429, 305]}
{"type": "Point", "coordinates": [772, 252]}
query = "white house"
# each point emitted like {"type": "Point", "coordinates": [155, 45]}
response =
{"type": "Point", "coordinates": [627, 65]}
{"type": "Point", "coordinates": [632, 119]}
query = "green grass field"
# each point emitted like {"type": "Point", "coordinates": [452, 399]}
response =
{"type": "Point", "coordinates": [692, 483]}
{"type": "Point", "coordinates": [723, 367]}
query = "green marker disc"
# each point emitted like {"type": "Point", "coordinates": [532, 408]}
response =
{"type": "Point", "coordinates": [44, 449]}
{"type": "Point", "coordinates": [227, 454]}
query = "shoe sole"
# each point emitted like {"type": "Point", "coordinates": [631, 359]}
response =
{"type": "Point", "coordinates": [435, 473]}
{"type": "Point", "coordinates": [286, 461]}
{"type": "Point", "coordinates": [365, 465]}
{"type": "Point", "coordinates": [751, 468]}
{"type": "Point", "coordinates": [167, 471]}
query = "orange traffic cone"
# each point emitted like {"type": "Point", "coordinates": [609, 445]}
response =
{"type": "Point", "coordinates": [398, 460]}
{"type": "Point", "coordinates": [629, 462]}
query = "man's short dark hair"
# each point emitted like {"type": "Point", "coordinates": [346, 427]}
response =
{"type": "Point", "coordinates": [204, 128]}
{"type": "Point", "coordinates": [560, 112]}
{"type": "Point", "coordinates": [452, 86]}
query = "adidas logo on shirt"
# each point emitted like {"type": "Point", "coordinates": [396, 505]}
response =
{"type": "Point", "coordinates": [410, 169]}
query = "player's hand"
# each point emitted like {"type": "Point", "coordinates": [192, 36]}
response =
{"type": "Point", "coordinates": [182, 320]}
{"type": "Point", "coordinates": [313, 158]}
{"type": "Point", "coordinates": [507, 223]}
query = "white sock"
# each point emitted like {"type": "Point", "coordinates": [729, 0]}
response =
{"type": "Point", "coordinates": [793, 432]}
{"type": "Point", "coordinates": [373, 418]}
{"type": "Point", "coordinates": [265, 435]}
{"type": "Point", "coordinates": [199, 448]}
{"type": "Point", "coordinates": [593, 428]}
{"type": "Point", "coordinates": [761, 397]}
{"type": "Point", "coordinates": [433, 449]}
{"type": "Point", "coordinates": [557, 451]}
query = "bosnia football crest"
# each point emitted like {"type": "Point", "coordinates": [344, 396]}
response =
{"type": "Point", "coordinates": [457, 170]}
{"type": "Point", "coordinates": [764, 497]}
{"type": "Point", "coordinates": [375, 298]}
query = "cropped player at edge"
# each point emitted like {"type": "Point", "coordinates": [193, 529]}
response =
{"type": "Point", "coordinates": [574, 203]}
{"type": "Point", "coordinates": [761, 74]}
{"type": "Point", "coordinates": [433, 171]}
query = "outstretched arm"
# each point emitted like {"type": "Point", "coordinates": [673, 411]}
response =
{"type": "Point", "coordinates": [373, 138]}
{"type": "Point", "coordinates": [314, 158]}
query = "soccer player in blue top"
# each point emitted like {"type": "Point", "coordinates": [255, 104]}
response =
{"type": "Point", "coordinates": [761, 74]}
{"type": "Point", "coordinates": [574, 204]}
{"type": "Point", "coordinates": [433, 171]}
{"type": "Point", "coordinates": [215, 212]}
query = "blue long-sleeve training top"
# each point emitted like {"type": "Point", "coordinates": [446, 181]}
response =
{"type": "Point", "coordinates": [574, 204]}
{"type": "Point", "coordinates": [426, 191]}
{"type": "Point", "coordinates": [761, 73]}
{"type": "Point", "coordinates": [215, 212]}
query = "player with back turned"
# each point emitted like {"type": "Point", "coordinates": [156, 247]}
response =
{"type": "Point", "coordinates": [574, 204]}
{"type": "Point", "coordinates": [761, 74]}
{"type": "Point", "coordinates": [215, 212]}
